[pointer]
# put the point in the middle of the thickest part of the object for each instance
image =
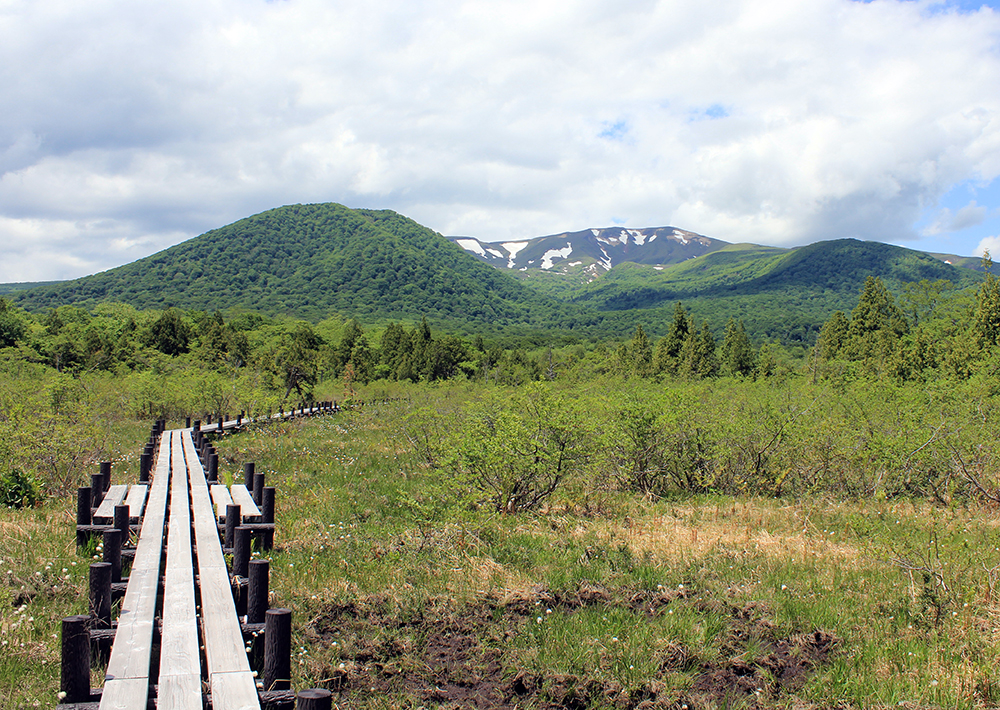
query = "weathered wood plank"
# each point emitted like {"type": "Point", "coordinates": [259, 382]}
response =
{"type": "Point", "coordinates": [242, 498]}
{"type": "Point", "coordinates": [179, 692]}
{"type": "Point", "coordinates": [220, 499]}
{"type": "Point", "coordinates": [127, 678]}
{"type": "Point", "coordinates": [106, 512]}
{"type": "Point", "coordinates": [226, 661]}
{"type": "Point", "coordinates": [125, 694]}
{"type": "Point", "coordinates": [180, 662]}
{"type": "Point", "coordinates": [234, 691]}
{"type": "Point", "coordinates": [136, 500]}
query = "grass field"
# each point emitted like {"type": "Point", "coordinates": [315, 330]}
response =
{"type": "Point", "coordinates": [404, 595]}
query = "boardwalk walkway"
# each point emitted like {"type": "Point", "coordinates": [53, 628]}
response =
{"type": "Point", "coordinates": [178, 643]}
{"type": "Point", "coordinates": [196, 608]}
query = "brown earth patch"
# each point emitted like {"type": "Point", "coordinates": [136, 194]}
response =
{"type": "Point", "coordinates": [445, 655]}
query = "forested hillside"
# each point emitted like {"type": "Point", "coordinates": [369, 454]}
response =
{"type": "Point", "coordinates": [313, 260]}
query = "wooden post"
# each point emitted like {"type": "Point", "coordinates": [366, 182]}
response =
{"type": "Point", "coordinates": [96, 489]}
{"type": "Point", "coordinates": [232, 520]}
{"type": "Point", "coordinates": [100, 594]}
{"type": "Point", "coordinates": [314, 699]}
{"type": "Point", "coordinates": [83, 515]}
{"type": "Point", "coordinates": [113, 552]}
{"type": "Point", "coordinates": [278, 649]}
{"type": "Point", "coordinates": [187, 423]}
{"type": "Point", "coordinates": [248, 471]}
{"type": "Point", "coordinates": [122, 522]}
{"type": "Point", "coordinates": [145, 466]}
{"type": "Point", "coordinates": [213, 467]}
{"type": "Point", "coordinates": [267, 516]}
{"type": "Point", "coordinates": [241, 551]}
{"type": "Point", "coordinates": [258, 487]}
{"type": "Point", "coordinates": [106, 474]}
{"type": "Point", "coordinates": [258, 591]}
{"type": "Point", "coordinates": [75, 680]}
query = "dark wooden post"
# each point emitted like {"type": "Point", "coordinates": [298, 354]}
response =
{"type": "Point", "coordinates": [258, 488]}
{"type": "Point", "coordinates": [314, 699]}
{"type": "Point", "coordinates": [83, 515]}
{"type": "Point", "coordinates": [100, 594]}
{"type": "Point", "coordinates": [213, 467]}
{"type": "Point", "coordinates": [278, 649]}
{"type": "Point", "coordinates": [187, 423]}
{"type": "Point", "coordinates": [96, 490]}
{"type": "Point", "coordinates": [122, 522]}
{"type": "Point", "coordinates": [248, 471]}
{"type": "Point", "coordinates": [241, 551]}
{"type": "Point", "coordinates": [113, 552]}
{"type": "Point", "coordinates": [145, 466]}
{"type": "Point", "coordinates": [258, 590]}
{"type": "Point", "coordinates": [267, 515]}
{"type": "Point", "coordinates": [106, 474]}
{"type": "Point", "coordinates": [75, 680]}
{"type": "Point", "coordinates": [232, 520]}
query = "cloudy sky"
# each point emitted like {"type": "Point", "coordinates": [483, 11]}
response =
{"type": "Point", "coordinates": [130, 126]}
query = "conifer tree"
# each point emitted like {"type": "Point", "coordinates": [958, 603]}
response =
{"type": "Point", "coordinates": [736, 354]}
{"type": "Point", "coordinates": [640, 353]}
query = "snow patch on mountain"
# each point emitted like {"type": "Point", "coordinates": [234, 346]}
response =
{"type": "Point", "coordinates": [472, 245]}
{"type": "Point", "coordinates": [512, 249]}
{"type": "Point", "coordinates": [606, 260]}
{"type": "Point", "coordinates": [551, 254]}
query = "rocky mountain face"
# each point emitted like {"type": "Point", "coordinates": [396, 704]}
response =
{"type": "Point", "coordinates": [595, 251]}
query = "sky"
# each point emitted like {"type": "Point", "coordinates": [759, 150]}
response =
{"type": "Point", "coordinates": [127, 127]}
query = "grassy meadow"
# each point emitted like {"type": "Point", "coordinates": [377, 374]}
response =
{"type": "Point", "coordinates": [811, 587]}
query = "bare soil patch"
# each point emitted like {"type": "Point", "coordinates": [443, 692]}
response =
{"type": "Point", "coordinates": [445, 655]}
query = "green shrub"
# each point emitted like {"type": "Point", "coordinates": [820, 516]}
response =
{"type": "Point", "coordinates": [518, 448]}
{"type": "Point", "coordinates": [18, 490]}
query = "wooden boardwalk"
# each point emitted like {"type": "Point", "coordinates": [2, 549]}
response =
{"type": "Point", "coordinates": [179, 644]}
{"type": "Point", "coordinates": [196, 609]}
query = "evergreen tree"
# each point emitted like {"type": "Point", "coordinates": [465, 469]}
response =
{"type": "Point", "coordinates": [987, 319]}
{"type": "Point", "coordinates": [640, 353]}
{"type": "Point", "coordinates": [667, 356]}
{"type": "Point", "coordinates": [169, 333]}
{"type": "Point", "coordinates": [832, 336]}
{"type": "Point", "coordinates": [876, 327]}
{"type": "Point", "coordinates": [737, 356]}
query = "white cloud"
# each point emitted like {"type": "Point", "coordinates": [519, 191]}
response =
{"type": "Point", "coordinates": [947, 221]}
{"type": "Point", "coordinates": [772, 121]}
{"type": "Point", "coordinates": [991, 244]}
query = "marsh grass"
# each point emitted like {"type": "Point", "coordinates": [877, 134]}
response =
{"type": "Point", "coordinates": [907, 588]}
{"type": "Point", "coordinates": [600, 599]}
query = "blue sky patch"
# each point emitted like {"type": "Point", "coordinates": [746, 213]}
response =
{"type": "Point", "coordinates": [614, 131]}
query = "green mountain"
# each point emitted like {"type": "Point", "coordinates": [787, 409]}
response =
{"type": "Point", "coordinates": [312, 260]}
{"type": "Point", "coordinates": [783, 294]}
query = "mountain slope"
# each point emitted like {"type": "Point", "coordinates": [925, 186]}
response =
{"type": "Point", "coordinates": [310, 260]}
{"type": "Point", "coordinates": [597, 251]}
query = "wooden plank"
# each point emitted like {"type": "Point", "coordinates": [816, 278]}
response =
{"type": "Point", "coordinates": [136, 500]}
{"type": "Point", "coordinates": [179, 693]}
{"type": "Point", "coordinates": [242, 498]}
{"type": "Point", "coordinates": [106, 512]}
{"type": "Point", "coordinates": [220, 499]}
{"type": "Point", "coordinates": [127, 676]}
{"type": "Point", "coordinates": [234, 691]}
{"type": "Point", "coordinates": [125, 694]}
{"type": "Point", "coordinates": [227, 667]}
{"type": "Point", "coordinates": [179, 685]}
